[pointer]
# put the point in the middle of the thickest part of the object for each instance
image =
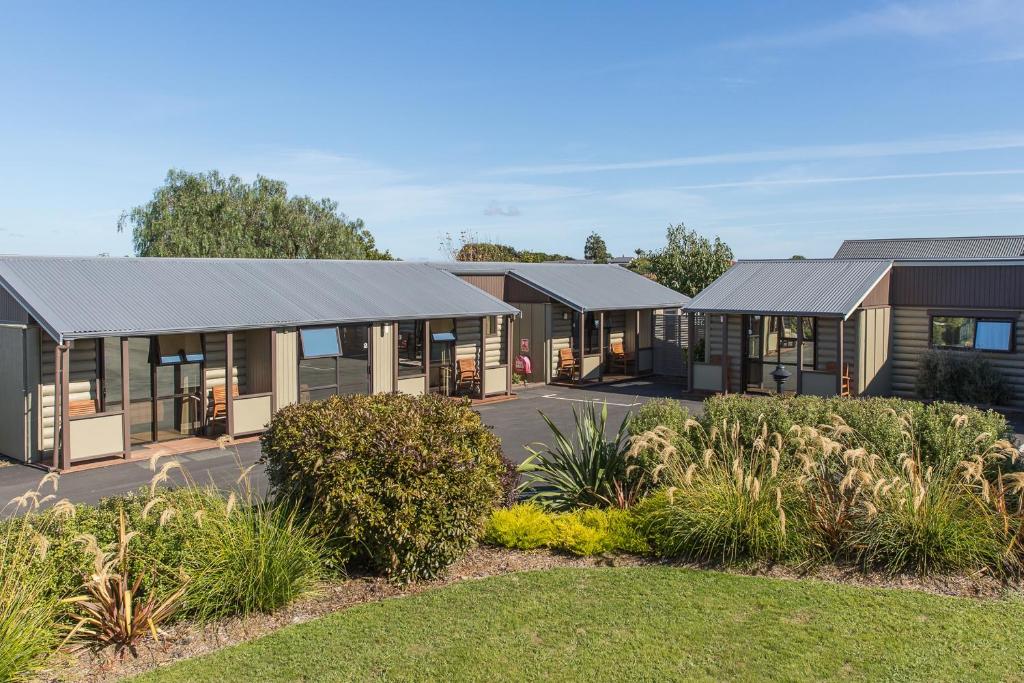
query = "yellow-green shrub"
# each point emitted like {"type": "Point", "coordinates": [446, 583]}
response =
{"type": "Point", "coordinates": [523, 527]}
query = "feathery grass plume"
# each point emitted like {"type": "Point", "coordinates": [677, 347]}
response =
{"type": "Point", "coordinates": [728, 502]}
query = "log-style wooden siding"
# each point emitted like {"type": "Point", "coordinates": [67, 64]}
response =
{"type": "Point", "coordinates": [82, 383]}
{"type": "Point", "coordinates": [956, 286]}
{"type": "Point", "coordinates": [910, 333]}
{"type": "Point", "coordinates": [496, 345]}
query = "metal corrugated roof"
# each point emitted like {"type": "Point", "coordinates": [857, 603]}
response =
{"type": "Point", "coordinates": [75, 297]}
{"type": "Point", "coordinates": [797, 287]}
{"type": "Point", "coordinates": [583, 287]}
{"type": "Point", "coordinates": [934, 247]}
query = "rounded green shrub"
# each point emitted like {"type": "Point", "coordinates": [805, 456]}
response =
{"type": "Point", "coordinates": [401, 484]}
{"type": "Point", "coordinates": [523, 527]}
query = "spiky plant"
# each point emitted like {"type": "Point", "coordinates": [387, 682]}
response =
{"type": "Point", "coordinates": [587, 469]}
{"type": "Point", "coordinates": [111, 612]}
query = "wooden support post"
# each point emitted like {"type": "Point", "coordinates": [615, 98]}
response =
{"type": "Point", "coordinates": [839, 357]}
{"type": "Point", "coordinates": [510, 340]}
{"type": "Point", "coordinates": [636, 344]}
{"type": "Point", "coordinates": [126, 398]}
{"type": "Point", "coordinates": [273, 372]}
{"type": "Point", "coordinates": [426, 356]}
{"type": "Point", "coordinates": [600, 345]}
{"type": "Point", "coordinates": [583, 337]}
{"type": "Point", "coordinates": [229, 383]}
{"type": "Point", "coordinates": [725, 353]}
{"type": "Point", "coordinates": [394, 357]}
{"type": "Point", "coordinates": [483, 355]}
{"type": "Point", "coordinates": [65, 401]}
{"type": "Point", "coordinates": [691, 339]}
{"type": "Point", "coordinates": [799, 355]}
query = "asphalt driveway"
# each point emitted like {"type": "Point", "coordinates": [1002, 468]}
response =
{"type": "Point", "coordinates": [517, 422]}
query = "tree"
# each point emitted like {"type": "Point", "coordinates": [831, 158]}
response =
{"type": "Point", "coordinates": [798, 257]}
{"type": "Point", "coordinates": [207, 215]}
{"type": "Point", "coordinates": [470, 248]}
{"type": "Point", "coordinates": [687, 263]}
{"type": "Point", "coordinates": [595, 249]}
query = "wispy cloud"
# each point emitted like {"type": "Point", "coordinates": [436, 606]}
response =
{"type": "Point", "coordinates": [496, 209]}
{"type": "Point", "coordinates": [941, 145]}
{"type": "Point", "coordinates": [770, 182]}
{"type": "Point", "coordinates": [915, 20]}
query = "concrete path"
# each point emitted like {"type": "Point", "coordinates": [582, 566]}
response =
{"type": "Point", "coordinates": [517, 422]}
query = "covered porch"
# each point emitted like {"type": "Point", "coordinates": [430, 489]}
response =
{"type": "Point", "coordinates": [110, 398]}
{"type": "Point", "coordinates": [590, 347]}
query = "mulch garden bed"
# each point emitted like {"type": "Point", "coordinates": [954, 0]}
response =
{"type": "Point", "coordinates": [186, 640]}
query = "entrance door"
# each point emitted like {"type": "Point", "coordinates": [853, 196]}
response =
{"type": "Point", "coordinates": [165, 398]}
{"type": "Point", "coordinates": [354, 362]}
{"type": "Point", "coordinates": [753, 351]}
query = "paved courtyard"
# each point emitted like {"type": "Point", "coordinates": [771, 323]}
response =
{"type": "Point", "coordinates": [517, 422]}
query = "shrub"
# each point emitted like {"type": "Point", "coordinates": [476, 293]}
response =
{"type": "Point", "coordinates": [595, 531]}
{"type": "Point", "coordinates": [249, 558]}
{"type": "Point", "coordinates": [588, 470]}
{"type": "Point", "coordinates": [589, 531]}
{"type": "Point", "coordinates": [725, 502]}
{"type": "Point", "coordinates": [523, 527]}
{"type": "Point", "coordinates": [960, 376]}
{"type": "Point", "coordinates": [402, 484]}
{"type": "Point", "coordinates": [27, 609]}
{"type": "Point", "coordinates": [660, 412]}
{"type": "Point", "coordinates": [876, 424]}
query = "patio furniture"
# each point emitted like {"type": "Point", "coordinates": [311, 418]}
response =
{"type": "Point", "coordinates": [85, 406]}
{"type": "Point", "coordinates": [846, 388]}
{"type": "Point", "coordinates": [567, 364]}
{"type": "Point", "coordinates": [466, 374]}
{"type": "Point", "coordinates": [220, 400]}
{"type": "Point", "coordinates": [619, 358]}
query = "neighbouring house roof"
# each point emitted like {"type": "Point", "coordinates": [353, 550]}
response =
{"type": "Point", "coordinates": [582, 287]}
{"type": "Point", "coordinates": [822, 287]}
{"type": "Point", "coordinates": [1005, 246]}
{"type": "Point", "coordinates": [73, 297]}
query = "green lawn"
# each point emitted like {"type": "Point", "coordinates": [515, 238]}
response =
{"type": "Point", "coordinates": [623, 624]}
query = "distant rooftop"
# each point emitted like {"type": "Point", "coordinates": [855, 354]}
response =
{"type": "Point", "coordinates": [1000, 246]}
{"type": "Point", "coordinates": [581, 286]}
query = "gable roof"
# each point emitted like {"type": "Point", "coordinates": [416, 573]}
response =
{"type": "Point", "coordinates": [580, 286]}
{"type": "Point", "coordinates": [934, 247]}
{"type": "Point", "coordinates": [823, 287]}
{"type": "Point", "coordinates": [72, 297]}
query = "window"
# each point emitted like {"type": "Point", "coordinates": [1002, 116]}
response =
{"type": "Point", "coordinates": [982, 334]}
{"type": "Point", "coordinates": [319, 342]}
{"type": "Point", "coordinates": [807, 353]}
{"type": "Point", "coordinates": [334, 361]}
{"type": "Point", "coordinates": [491, 325]}
{"type": "Point", "coordinates": [410, 348]}
{"type": "Point", "coordinates": [175, 349]}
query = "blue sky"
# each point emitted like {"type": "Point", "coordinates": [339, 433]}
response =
{"type": "Point", "coordinates": [782, 127]}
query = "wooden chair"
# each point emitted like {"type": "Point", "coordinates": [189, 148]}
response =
{"type": "Point", "coordinates": [466, 374]}
{"type": "Point", "coordinates": [846, 387]}
{"type": "Point", "coordinates": [219, 407]}
{"type": "Point", "coordinates": [85, 406]}
{"type": "Point", "coordinates": [567, 364]}
{"type": "Point", "coordinates": [619, 358]}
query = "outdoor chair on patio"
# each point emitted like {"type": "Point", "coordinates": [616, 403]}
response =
{"type": "Point", "coordinates": [847, 383]}
{"type": "Point", "coordinates": [567, 364]}
{"type": "Point", "coordinates": [219, 407]}
{"type": "Point", "coordinates": [619, 358]}
{"type": "Point", "coordinates": [85, 406]}
{"type": "Point", "coordinates": [467, 375]}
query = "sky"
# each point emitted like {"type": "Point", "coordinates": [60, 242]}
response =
{"type": "Point", "coordinates": [781, 127]}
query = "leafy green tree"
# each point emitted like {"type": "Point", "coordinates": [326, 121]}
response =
{"type": "Point", "coordinates": [208, 215]}
{"type": "Point", "coordinates": [687, 263]}
{"type": "Point", "coordinates": [595, 249]}
{"type": "Point", "coordinates": [798, 257]}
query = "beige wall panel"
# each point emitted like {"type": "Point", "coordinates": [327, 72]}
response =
{"type": "Point", "coordinates": [94, 436]}
{"type": "Point", "coordinates": [287, 385]}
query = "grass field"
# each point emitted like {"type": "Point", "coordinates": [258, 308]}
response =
{"type": "Point", "coordinates": [638, 624]}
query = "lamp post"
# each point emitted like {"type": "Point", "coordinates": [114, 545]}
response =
{"type": "Point", "coordinates": [780, 374]}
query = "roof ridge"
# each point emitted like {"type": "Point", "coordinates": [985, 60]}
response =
{"type": "Point", "coordinates": [931, 239]}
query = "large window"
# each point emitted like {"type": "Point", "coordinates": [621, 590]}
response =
{"type": "Point", "coordinates": [177, 349]}
{"type": "Point", "coordinates": [335, 360]}
{"type": "Point", "coordinates": [410, 348]}
{"type": "Point", "coordinates": [982, 334]}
